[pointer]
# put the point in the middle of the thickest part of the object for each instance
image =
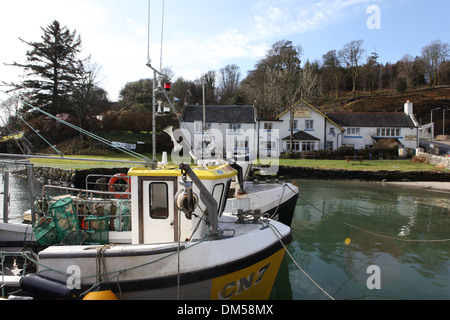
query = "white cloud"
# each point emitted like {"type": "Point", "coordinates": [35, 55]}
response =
{"type": "Point", "coordinates": [117, 39]}
{"type": "Point", "coordinates": [270, 21]}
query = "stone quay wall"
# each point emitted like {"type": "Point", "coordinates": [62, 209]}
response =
{"type": "Point", "coordinates": [77, 178]}
{"type": "Point", "coordinates": [435, 160]}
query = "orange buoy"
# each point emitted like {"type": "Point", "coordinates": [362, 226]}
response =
{"type": "Point", "coordinates": [112, 185]}
{"type": "Point", "coordinates": [101, 293]}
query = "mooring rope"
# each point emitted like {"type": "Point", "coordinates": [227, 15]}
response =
{"type": "Point", "coordinates": [279, 236]}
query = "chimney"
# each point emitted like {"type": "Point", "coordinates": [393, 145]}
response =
{"type": "Point", "coordinates": [409, 108]}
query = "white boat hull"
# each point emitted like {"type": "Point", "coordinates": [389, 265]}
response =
{"type": "Point", "coordinates": [242, 267]}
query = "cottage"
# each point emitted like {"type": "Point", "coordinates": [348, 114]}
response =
{"type": "Point", "coordinates": [231, 128]}
{"type": "Point", "coordinates": [235, 130]}
{"type": "Point", "coordinates": [312, 130]}
{"type": "Point", "coordinates": [363, 130]}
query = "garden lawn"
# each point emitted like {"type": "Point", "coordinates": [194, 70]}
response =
{"type": "Point", "coordinates": [91, 161]}
{"type": "Point", "coordinates": [367, 165]}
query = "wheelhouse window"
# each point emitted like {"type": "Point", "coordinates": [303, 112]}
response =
{"type": "Point", "coordinates": [218, 194]}
{"type": "Point", "coordinates": [159, 200]}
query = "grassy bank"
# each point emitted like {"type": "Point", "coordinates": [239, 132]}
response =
{"type": "Point", "coordinates": [90, 162]}
{"type": "Point", "coordinates": [367, 165]}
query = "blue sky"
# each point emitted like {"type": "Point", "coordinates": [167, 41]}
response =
{"type": "Point", "coordinates": [202, 35]}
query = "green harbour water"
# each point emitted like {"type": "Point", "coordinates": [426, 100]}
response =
{"type": "Point", "coordinates": [359, 240]}
{"type": "Point", "coordinates": [341, 230]}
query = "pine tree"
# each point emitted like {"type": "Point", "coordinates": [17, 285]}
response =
{"type": "Point", "coordinates": [52, 67]}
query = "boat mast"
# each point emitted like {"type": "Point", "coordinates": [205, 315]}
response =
{"type": "Point", "coordinates": [155, 73]}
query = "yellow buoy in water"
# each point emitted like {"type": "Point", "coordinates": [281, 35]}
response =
{"type": "Point", "coordinates": [100, 293]}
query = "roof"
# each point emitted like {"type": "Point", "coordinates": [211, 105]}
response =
{"type": "Point", "coordinates": [220, 114]}
{"type": "Point", "coordinates": [371, 120]}
{"type": "Point", "coordinates": [305, 103]}
{"type": "Point", "coordinates": [211, 173]}
{"type": "Point", "coordinates": [301, 136]}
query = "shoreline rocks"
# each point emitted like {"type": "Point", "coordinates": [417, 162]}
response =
{"type": "Point", "coordinates": [352, 175]}
{"type": "Point", "coordinates": [69, 177]}
{"type": "Point", "coordinates": [77, 178]}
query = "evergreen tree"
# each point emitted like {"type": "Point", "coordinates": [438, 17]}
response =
{"type": "Point", "coordinates": [51, 68]}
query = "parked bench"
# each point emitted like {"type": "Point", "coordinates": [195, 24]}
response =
{"type": "Point", "coordinates": [354, 158]}
{"type": "Point", "coordinates": [308, 155]}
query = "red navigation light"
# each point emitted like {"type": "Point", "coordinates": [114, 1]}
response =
{"type": "Point", "coordinates": [167, 86]}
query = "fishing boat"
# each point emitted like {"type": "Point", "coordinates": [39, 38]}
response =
{"type": "Point", "coordinates": [159, 232]}
{"type": "Point", "coordinates": [272, 196]}
{"type": "Point", "coordinates": [179, 242]}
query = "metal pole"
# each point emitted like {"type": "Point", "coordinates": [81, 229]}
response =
{"type": "Point", "coordinates": [443, 123]}
{"type": "Point", "coordinates": [5, 197]}
{"type": "Point", "coordinates": [31, 188]}
{"type": "Point", "coordinates": [204, 117]}
{"type": "Point", "coordinates": [154, 115]}
{"type": "Point", "coordinates": [432, 128]}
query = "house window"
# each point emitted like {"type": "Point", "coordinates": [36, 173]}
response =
{"type": "Point", "coordinates": [268, 145]}
{"type": "Point", "coordinates": [330, 145]}
{"type": "Point", "coordinates": [234, 127]}
{"type": "Point", "coordinates": [241, 144]}
{"type": "Point", "coordinates": [199, 127]}
{"type": "Point", "coordinates": [159, 200]}
{"type": "Point", "coordinates": [332, 131]}
{"type": "Point", "coordinates": [268, 126]}
{"type": "Point", "coordinates": [295, 125]}
{"type": "Point", "coordinates": [388, 132]}
{"type": "Point", "coordinates": [308, 146]}
{"type": "Point", "coordinates": [354, 131]}
{"type": "Point", "coordinates": [296, 146]}
{"type": "Point", "coordinates": [309, 124]}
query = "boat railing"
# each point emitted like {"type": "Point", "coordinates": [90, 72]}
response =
{"type": "Point", "coordinates": [3, 260]}
{"type": "Point", "coordinates": [95, 201]}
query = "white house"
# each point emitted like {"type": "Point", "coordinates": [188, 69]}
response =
{"type": "Point", "coordinates": [363, 130]}
{"type": "Point", "coordinates": [237, 131]}
{"type": "Point", "coordinates": [312, 130]}
{"type": "Point", "coordinates": [231, 128]}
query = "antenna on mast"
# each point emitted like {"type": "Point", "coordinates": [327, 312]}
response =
{"type": "Point", "coordinates": [162, 34]}
{"type": "Point", "coordinates": [149, 61]}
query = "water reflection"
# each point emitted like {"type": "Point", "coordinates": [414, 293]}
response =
{"type": "Point", "coordinates": [341, 228]}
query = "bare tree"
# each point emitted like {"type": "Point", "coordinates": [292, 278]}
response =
{"type": "Point", "coordinates": [332, 62]}
{"type": "Point", "coordinates": [434, 55]}
{"type": "Point", "coordinates": [84, 93]}
{"type": "Point", "coordinates": [209, 79]}
{"type": "Point", "coordinates": [228, 86]}
{"type": "Point", "coordinates": [306, 90]}
{"type": "Point", "coordinates": [351, 56]}
{"type": "Point", "coordinates": [274, 81]}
